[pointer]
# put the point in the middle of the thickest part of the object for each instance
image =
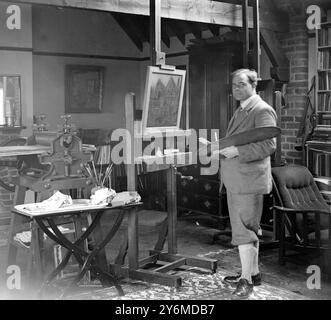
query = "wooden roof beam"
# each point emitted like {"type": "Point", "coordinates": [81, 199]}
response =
{"type": "Point", "coordinates": [165, 37]}
{"type": "Point", "coordinates": [165, 27]}
{"type": "Point", "coordinates": [214, 29]}
{"type": "Point", "coordinates": [177, 30]}
{"type": "Point", "coordinates": [130, 31]}
{"type": "Point", "coordinates": [195, 30]}
{"type": "Point", "coordinates": [204, 11]}
{"type": "Point", "coordinates": [137, 25]}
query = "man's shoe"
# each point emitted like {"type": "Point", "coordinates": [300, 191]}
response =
{"type": "Point", "coordinates": [244, 289]}
{"type": "Point", "coordinates": [233, 280]}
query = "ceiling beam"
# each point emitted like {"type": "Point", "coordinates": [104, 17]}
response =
{"type": "Point", "coordinates": [134, 24]}
{"type": "Point", "coordinates": [166, 31]}
{"type": "Point", "coordinates": [214, 29]}
{"type": "Point", "coordinates": [165, 37]}
{"type": "Point", "coordinates": [205, 11]}
{"type": "Point", "coordinates": [196, 31]}
{"type": "Point", "coordinates": [144, 26]}
{"type": "Point", "coordinates": [138, 25]}
{"type": "Point", "coordinates": [177, 30]}
{"type": "Point", "coordinates": [130, 31]}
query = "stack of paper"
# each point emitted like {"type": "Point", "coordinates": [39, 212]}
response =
{"type": "Point", "coordinates": [126, 197]}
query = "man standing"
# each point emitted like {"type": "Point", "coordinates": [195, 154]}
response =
{"type": "Point", "coordinates": [246, 173]}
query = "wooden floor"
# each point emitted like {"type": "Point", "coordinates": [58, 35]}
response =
{"type": "Point", "coordinates": [195, 237]}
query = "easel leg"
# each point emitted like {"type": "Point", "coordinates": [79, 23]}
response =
{"type": "Point", "coordinates": [172, 210]}
{"type": "Point", "coordinates": [162, 235]}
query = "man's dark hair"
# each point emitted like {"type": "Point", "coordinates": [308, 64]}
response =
{"type": "Point", "coordinates": [251, 75]}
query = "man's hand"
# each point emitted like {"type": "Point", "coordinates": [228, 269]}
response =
{"type": "Point", "coordinates": [229, 152]}
{"type": "Point", "coordinates": [204, 141]}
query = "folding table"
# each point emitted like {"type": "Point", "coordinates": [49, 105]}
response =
{"type": "Point", "coordinates": [88, 261]}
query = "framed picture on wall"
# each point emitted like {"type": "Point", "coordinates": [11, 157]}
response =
{"type": "Point", "coordinates": [162, 100]}
{"type": "Point", "coordinates": [84, 88]}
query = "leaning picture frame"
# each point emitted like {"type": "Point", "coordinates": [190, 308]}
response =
{"type": "Point", "coordinates": [163, 99]}
{"type": "Point", "coordinates": [84, 88]}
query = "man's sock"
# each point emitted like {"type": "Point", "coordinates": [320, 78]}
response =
{"type": "Point", "coordinates": [246, 253]}
{"type": "Point", "coordinates": [255, 268]}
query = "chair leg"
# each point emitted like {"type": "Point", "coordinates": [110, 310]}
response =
{"type": "Point", "coordinates": [281, 251]}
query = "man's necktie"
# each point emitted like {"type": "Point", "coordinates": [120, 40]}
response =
{"type": "Point", "coordinates": [238, 112]}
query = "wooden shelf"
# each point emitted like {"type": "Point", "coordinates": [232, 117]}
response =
{"type": "Point", "coordinates": [323, 73]}
{"type": "Point", "coordinates": [10, 129]}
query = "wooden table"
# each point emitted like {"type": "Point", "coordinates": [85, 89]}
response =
{"type": "Point", "coordinates": [88, 261]}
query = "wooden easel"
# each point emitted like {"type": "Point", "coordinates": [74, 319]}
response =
{"type": "Point", "coordinates": [170, 259]}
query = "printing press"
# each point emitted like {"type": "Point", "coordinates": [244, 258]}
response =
{"type": "Point", "coordinates": [50, 160]}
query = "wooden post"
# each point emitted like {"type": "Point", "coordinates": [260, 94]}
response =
{"type": "Point", "coordinates": [131, 181]}
{"type": "Point", "coordinates": [157, 57]}
{"type": "Point", "coordinates": [246, 33]}
{"type": "Point", "coordinates": [172, 210]}
{"type": "Point", "coordinates": [257, 46]}
{"type": "Point", "coordinates": [278, 106]}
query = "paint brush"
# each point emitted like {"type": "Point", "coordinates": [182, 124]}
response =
{"type": "Point", "coordinates": [100, 173]}
{"type": "Point", "coordinates": [108, 172]}
{"type": "Point", "coordinates": [89, 172]}
{"type": "Point", "coordinates": [95, 171]}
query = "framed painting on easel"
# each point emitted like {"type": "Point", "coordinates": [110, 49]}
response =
{"type": "Point", "coordinates": [163, 100]}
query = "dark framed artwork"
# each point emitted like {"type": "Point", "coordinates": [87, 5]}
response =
{"type": "Point", "coordinates": [84, 89]}
{"type": "Point", "coordinates": [162, 100]}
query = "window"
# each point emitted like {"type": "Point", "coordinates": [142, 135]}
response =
{"type": "Point", "coordinates": [10, 101]}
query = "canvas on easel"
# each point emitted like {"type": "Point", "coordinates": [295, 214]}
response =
{"type": "Point", "coordinates": [163, 99]}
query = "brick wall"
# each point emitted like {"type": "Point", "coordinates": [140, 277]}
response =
{"type": "Point", "coordinates": [295, 45]}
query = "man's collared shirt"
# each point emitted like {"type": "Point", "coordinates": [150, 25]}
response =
{"type": "Point", "coordinates": [245, 103]}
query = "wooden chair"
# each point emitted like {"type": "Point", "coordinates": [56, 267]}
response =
{"type": "Point", "coordinates": [303, 217]}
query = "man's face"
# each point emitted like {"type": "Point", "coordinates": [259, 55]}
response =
{"type": "Point", "coordinates": [242, 89]}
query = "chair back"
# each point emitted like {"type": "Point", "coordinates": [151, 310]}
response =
{"type": "Point", "coordinates": [297, 189]}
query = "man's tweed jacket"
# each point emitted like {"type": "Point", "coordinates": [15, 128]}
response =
{"type": "Point", "coordinates": [250, 173]}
